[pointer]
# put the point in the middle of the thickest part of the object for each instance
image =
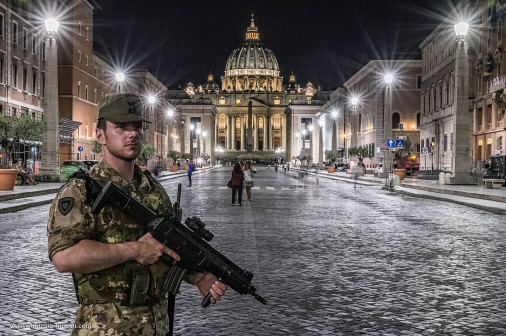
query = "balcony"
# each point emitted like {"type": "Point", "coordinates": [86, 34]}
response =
{"type": "Point", "coordinates": [497, 83]}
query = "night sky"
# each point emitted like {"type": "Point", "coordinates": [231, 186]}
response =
{"type": "Point", "coordinates": [324, 42]}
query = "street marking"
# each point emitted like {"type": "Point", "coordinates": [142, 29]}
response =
{"type": "Point", "coordinates": [270, 188]}
{"type": "Point", "coordinates": [285, 188]}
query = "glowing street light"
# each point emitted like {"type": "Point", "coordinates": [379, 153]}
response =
{"type": "Point", "coordinates": [192, 127]}
{"type": "Point", "coordinates": [151, 100]}
{"type": "Point", "coordinates": [51, 25]}
{"type": "Point", "coordinates": [334, 114]}
{"type": "Point", "coordinates": [354, 100]}
{"type": "Point", "coordinates": [120, 78]}
{"type": "Point", "coordinates": [388, 78]}
{"type": "Point", "coordinates": [461, 29]}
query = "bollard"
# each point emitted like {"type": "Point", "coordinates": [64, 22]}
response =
{"type": "Point", "coordinates": [317, 182]}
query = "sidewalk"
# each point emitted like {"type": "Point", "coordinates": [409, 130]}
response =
{"type": "Point", "coordinates": [476, 196]}
{"type": "Point", "coordinates": [24, 197]}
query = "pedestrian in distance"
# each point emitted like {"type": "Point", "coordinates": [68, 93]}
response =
{"type": "Point", "coordinates": [355, 173]}
{"type": "Point", "coordinates": [237, 180]}
{"type": "Point", "coordinates": [116, 270]}
{"type": "Point", "coordinates": [248, 180]}
{"type": "Point", "coordinates": [276, 167]}
{"type": "Point", "coordinates": [191, 168]}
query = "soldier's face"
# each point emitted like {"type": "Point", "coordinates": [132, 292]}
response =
{"type": "Point", "coordinates": [122, 140]}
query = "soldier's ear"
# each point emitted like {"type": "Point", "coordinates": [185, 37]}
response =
{"type": "Point", "coordinates": [100, 136]}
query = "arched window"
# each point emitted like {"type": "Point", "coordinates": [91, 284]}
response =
{"type": "Point", "coordinates": [396, 119]}
{"type": "Point", "coordinates": [418, 121]}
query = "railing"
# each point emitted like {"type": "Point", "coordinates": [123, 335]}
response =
{"type": "Point", "coordinates": [497, 83]}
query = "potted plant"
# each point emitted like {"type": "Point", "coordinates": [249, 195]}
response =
{"type": "Point", "coordinates": [174, 155]}
{"type": "Point", "coordinates": [331, 156]}
{"type": "Point", "coordinates": [147, 153]}
{"type": "Point", "coordinates": [400, 156]}
{"type": "Point", "coordinates": [12, 130]}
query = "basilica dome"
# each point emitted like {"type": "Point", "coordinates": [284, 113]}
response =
{"type": "Point", "coordinates": [252, 65]}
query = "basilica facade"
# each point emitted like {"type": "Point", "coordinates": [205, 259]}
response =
{"type": "Point", "coordinates": [252, 114]}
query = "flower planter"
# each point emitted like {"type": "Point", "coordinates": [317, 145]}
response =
{"type": "Point", "coordinates": [400, 172]}
{"type": "Point", "coordinates": [8, 178]}
{"type": "Point", "coordinates": [362, 171]}
{"type": "Point", "coordinates": [331, 170]}
{"type": "Point", "coordinates": [173, 168]}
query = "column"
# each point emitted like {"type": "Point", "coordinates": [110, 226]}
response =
{"type": "Point", "coordinates": [255, 133]}
{"type": "Point", "coordinates": [283, 132]}
{"type": "Point", "coordinates": [232, 138]}
{"type": "Point", "coordinates": [242, 132]}
{"type": "Point", "coordinates": [265, 132]}
{"type": "Point", "coordinates": [271, 131]}
{"type": "Point", "coordinates": [229, 127]}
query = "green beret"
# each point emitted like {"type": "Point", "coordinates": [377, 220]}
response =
{"type": "Point", "coordinates": [121, 108]}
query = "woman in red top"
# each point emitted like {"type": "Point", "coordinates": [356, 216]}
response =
{"type": "Point", "coordinates": [237, 178]}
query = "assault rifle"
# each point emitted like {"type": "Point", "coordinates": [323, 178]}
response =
{"type": "Point", "coordinates": [189, 240]}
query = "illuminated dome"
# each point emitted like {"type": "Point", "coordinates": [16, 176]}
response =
{"type": "Point", "coordinates": [252, 65]}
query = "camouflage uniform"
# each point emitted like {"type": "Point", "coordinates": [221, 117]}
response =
{"type": "Point", "coordinates": [102, 294]}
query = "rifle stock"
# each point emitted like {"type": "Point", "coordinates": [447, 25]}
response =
{"type": "Point", "coordinates": [189, 240]}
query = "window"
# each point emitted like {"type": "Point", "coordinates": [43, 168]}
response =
{"type": "Point", "coordinates": [418, 121]}
{"type": "Point", "coordinates": [79, 55]}
{"type": "Point", "coordinates": [360, 122]}
{"type": "Point", "coordinates": [95, 96]}
{"type": "Point", "coordinates": [86, 132]}
{"type": "Point", "coordinates": [25, 38]}
{"type": "Point", "coordinates": [277, 101]}
{"type": "Point", "coordinates": [396, 119]}
{"type": "Point", "coordinates": [445, 143]}
{"type": "Point", "coordinates": [43, 84]}
{"type": "Point", "coordinates": [34, 81]}
{"type": "Point", "coordinates": [25, 75]}
{"type": "Point", "coordinates": [86, 58]}
{"type": "Point", "coordinates": [43, 50]}
{"type": "Point", "coordinates": [79, 89]}
{"type": "Point", "coordinates": [237, 101]}
{"type": "Point", "coordinates": [1, 24]}
{"type": "Point", "coordinates": [14, 32]}
{"type": "Point", "coordinates": [86, 92]}
{"type": "Point", "coordinates": [2, 68]}
{"type": "Point", "coordinates": [222, 101]}
{"type": "Point", "coordinates": [14, 73]}
{"type": "Point", "coordinates": [80, 28]}
{"type": "Point", "coordinates": [34, 44]}
{"type": "Point", "coordinates": [429, 147]}
{"type": "Point", "coordinates": [87, 33]}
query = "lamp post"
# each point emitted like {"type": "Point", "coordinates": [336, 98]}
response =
{"type": "Point", "coordinates": [432, 146]}
{"type": "Point", "coordinates": [387, 125]}
{"type": "Point", "coordinates": [311, 130]}
{"type": "Point", "coordinates": [334, 135]}
{"type": "Point", "coordinates": [120, 78]}
{"type": "Point", "coordinates": [50, 145]}
{"type": "Point", "coordinates": [151, 117]}
{"type": "Point", "coordinates": [461, 149]}
{"type": "Point", "coordinates": [204, 136]}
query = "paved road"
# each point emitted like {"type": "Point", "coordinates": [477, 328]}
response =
{"type": "Point", "coordinates": [330, 260]}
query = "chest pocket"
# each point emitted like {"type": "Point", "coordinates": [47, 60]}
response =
{"type": "Point", "coordinates": [113, 226]}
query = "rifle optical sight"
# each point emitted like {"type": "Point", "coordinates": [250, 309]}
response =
{"type": "Point", "coordinates": [198, 227]}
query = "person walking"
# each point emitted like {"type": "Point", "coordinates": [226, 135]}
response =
{"type": "Point", "coordinates": [237, 178]}
{"type": "Point", "coordinates": [355, 173]}
{"type": "Point", "coordinates": [248, 180]}
{"type": "Point", "coordinates": [191, 168]}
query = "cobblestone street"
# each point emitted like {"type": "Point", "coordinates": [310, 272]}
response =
{"type": "Point", "coordinates": [330, 260]}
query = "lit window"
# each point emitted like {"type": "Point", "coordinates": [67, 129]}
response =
{"type": "Point", "coordinates": [277, 101]}
{"type": "Point", "coordinates": [237, 101]}
{"type": "Point", "coordinates": [222, 102]}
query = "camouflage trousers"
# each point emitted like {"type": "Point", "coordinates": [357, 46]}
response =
{"type": "Point", "coordinates": [111, 319]}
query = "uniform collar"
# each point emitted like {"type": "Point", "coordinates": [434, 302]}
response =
{"type": "Point", "coordinates": [105, 172]}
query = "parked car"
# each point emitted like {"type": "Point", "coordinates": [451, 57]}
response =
{"type": "Point", "coordinates": [496, 167]}
{"type": "Point", "coordinates": [69, 167]}
{"type": "Point", "coordinates": [342, 167]}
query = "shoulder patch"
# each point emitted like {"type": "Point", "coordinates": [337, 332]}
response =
{"type": "Point", "coordinates": [65, 205]}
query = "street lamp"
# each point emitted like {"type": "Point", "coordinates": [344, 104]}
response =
{"type": "Point", "coordinates": [50, 145]}
{"type": "Point", "coordinates": [461, 149]}
{"type": "Point", "coordinates": [120, 78]}
{"type": "Point", "coordinates": [387, 125]}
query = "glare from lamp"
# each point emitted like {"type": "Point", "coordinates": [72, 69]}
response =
{"type": "Point", "coordinates": [461, 29]}
{"type": "Point", "coordinates": [51, 25]}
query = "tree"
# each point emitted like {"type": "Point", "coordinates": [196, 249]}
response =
{"type": "Point", "coordinates": [174, 155]}
{"type": "Point", "coordinates": [147, 152]}
{"type": "Point", "coordinates": [13, 130]}
{"type": "Point", "coordinates": [332, 156]}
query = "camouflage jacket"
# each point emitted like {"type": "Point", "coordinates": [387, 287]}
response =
{"type": "Point", "coordinates": [102, 294]}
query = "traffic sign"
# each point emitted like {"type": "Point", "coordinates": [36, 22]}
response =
{"type": "Point", "coordinates": [401, 137]}
{"type": "Point", "coordinates": [80, 148]}
{"type": "Point", "coordinates": [391, 143]}
{"type": "Point", "coordinates": [424, 151]}
{"type": "Point", "coordinates": [400, 144]}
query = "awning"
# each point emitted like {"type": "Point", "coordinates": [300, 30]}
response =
{"type": "Point", "coordinates": [67, 127]}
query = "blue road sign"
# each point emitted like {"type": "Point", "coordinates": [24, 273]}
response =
{"type": "Point", "coordinates": [80, 148]}
{"type": "Point", "coordinates": [400, 144]}
{"type": "Point", "coordinates": [390, 143]}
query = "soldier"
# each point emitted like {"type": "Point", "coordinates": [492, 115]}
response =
{"type": "Point", "coordinates": [110, 259]}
